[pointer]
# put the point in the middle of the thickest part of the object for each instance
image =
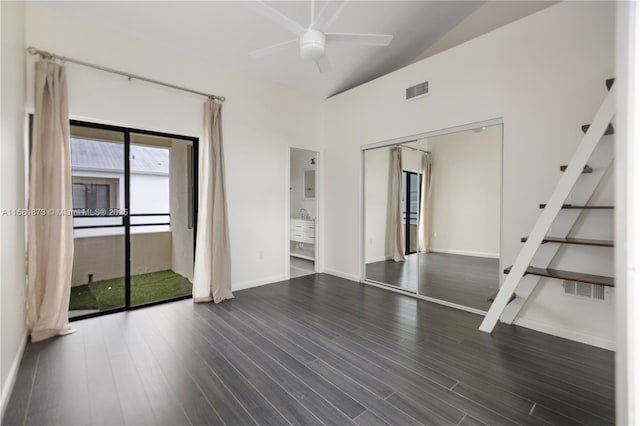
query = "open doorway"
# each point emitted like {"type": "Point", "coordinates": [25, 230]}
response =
{"type": "Point", "coordinates": [303, 214]}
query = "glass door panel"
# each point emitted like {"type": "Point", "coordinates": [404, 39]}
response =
{"type": "Point", "coordinates": [460, 264]}
{"type": "Point", "coordinates": [389, 227]}
{"type": "Point", "coordinates": [98, 183]}
{"type": "Point", "coordinates": [161, 214]}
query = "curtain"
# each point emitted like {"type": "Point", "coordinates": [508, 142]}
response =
{"type": "Point", "coordinates": [395, 233]}
{"type": "Point", "coordinates": [424, 224]}
{"type": "Point", "coordinates": [49, 229]}
{"type": "Point", "coordinates": [212, 274]}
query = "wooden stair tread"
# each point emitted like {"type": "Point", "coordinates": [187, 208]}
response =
{"type": "Point", "coordinates": [577, 241]}
{"type": "Point", "coordinates": [568, 275]}
{"type": "Point", "coordinates": [571, 206]}
{"type": "Point", "coordinates": [609, 83]}
{"type": "Point", "coordinates": [586, 169]}
{"type": "Point", "coordinates": [610, 130]}
{"type": "Point", "coordinates": [493, 296]}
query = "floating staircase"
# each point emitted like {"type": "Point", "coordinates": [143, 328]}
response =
{"type": "Point", "coordinates": [580, 180]}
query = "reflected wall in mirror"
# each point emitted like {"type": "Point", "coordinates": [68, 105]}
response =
{"type": "Point", "coordinates": [432, 216]}
{"type": "Point", "coordinates": [310, 184]}
{"type": "Point", "coordinates": [393, 179]}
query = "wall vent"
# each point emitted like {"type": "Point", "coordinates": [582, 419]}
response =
{"type": "Point", "coordinates": [595, 292]}
{"type": "Point", "coordinates": [417, 91]}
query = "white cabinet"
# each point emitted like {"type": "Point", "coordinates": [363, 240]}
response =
{"type": "Point", "coordinates": [302, 234]}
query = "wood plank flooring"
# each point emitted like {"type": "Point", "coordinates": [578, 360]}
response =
{"type": "Point", "coordinates": [310, 351]}
{"type": "Point", "coordinates": [465, 280]}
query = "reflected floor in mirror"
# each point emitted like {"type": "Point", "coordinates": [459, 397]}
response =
{"type": "Point", "coordinates": [300, 267]}
{"type": "Point", "coordinates": [465, 280]}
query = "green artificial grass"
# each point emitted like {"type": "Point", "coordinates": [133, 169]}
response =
{"type": "Point", "coordinates": [145, 288]}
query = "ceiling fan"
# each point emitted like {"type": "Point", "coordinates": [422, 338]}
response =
{"type": "Point", "coordinates": [313, 39]}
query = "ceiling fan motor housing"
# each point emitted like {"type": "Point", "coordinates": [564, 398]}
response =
{"type": "Point", "coordinates": [312, 43]}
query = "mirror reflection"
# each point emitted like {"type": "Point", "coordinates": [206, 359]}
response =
{"type": "Point", "coordinates": [432, 216]}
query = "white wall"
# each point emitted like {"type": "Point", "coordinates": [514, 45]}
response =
{"type": "Point", "coordinates": [260, 120]}
{"type": "Point", "coordinates": [544, 75]}
{"type": "Point", "coordinates": [627, 178]}
{"type": "Point", "coordinates": [300, 162]}
{"type": "Point", "coordinates": [149, 193]}
{"type": "Point", "coordinates": [465, 192]}
{"type": "Point", "coordinates": [103, 256]}
{"type": "Point", "coordinates": [181, 234]}
{"type": "Point", "coordinates": [12, 269]}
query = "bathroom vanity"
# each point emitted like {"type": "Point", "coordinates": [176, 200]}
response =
{"type": "Point", "coordinates": [303, 238]}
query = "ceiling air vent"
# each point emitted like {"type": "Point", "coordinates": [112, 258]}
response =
{"type": "Point", "coordinates": [417, 91]}
{"type": "Point", "coordinates": [595, 292]}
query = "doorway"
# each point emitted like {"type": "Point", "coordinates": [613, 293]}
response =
{"type": "Point", "coordinates": [303, 211]}
{"type": "Point", "coordinates": [135, 208]}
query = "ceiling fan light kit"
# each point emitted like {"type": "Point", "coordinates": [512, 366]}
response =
{"type": "Point", "coordinates": [312, 44]}
{"type": "Point", "coordinates": [313, 40]}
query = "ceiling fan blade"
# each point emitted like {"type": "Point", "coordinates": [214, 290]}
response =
{"type": "Point", "coordinates": [265, 51]}
{"type": "Point", "coordinates": [328, 14]}
{"type": "Point", "coordinates": [368, 39]}
{"type": "Point", "coordinates": [277, 17]}
{"type": "Point", "coordinates": [323, 64]}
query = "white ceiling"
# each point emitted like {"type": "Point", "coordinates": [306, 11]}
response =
{"type": "Point", "coordinates": [225, 31]}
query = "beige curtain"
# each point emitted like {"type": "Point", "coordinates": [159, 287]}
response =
{"type": "Point", "coordinates": [395, 232]}
{"type": "Point", "coordinates": [424, 224]}
{"type": "Point", "coordinates": [212, 274]}
{"type": "Point", "coordinates": [50, 232]}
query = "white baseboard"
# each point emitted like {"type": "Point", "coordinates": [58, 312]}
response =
{"type": "Point", "coordinates": [341, 274]}
{"type": "Point", "coordinates": [7, 386]}
{"type": "Point", "coordinates": [465, 253]}
{"type": "Point", "coordinates": [377, 259]}
{"type": "Point", "coordinates": [566, 334]}
{"type": "Point", "coordinates": [256, 283]}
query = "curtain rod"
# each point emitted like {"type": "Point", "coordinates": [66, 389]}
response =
{"type": "Point", "coordinates": [47, 55]}
{"type": "Point", "coordinates": [415, 149]}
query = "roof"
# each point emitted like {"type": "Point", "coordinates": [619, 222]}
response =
{"type": "Point", "coordinates": [108, 156]}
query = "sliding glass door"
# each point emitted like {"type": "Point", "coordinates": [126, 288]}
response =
{"type": "Point", "coordinates": [134, 218]}
{"type": "Point", "coordinates": [99, 210]}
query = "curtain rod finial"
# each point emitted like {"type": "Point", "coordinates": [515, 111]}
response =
{"type": "Point", "coordinates": [32, 50]}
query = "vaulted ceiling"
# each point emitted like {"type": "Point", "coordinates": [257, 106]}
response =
{"type": "Point", "coordinates": [226, 31]}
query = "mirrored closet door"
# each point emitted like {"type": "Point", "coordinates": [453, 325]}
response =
{"type": "Point", "coordinates": [432, 216]}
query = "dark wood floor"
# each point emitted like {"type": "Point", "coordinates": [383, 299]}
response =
{"type": "Point", "coordinates": [465, 280]}
{"type": "Point", "coordinates": [314, 350]}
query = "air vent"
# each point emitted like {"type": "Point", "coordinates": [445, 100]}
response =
{"type": "Point", "coordinates": [417, 91]}
{"type": "Point", "coordinates": [595, 292]}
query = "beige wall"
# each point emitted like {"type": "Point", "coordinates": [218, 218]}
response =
{"type": "Point", "coordinates": [182, 236]}
{"type": "Point", "coordinates": [104, 256]}
{"type": "Point", "coordinates": [544, 76]}
{"type": "Point", "coordinates": [376, 202]}
{"type": "Point", "coordinates": [260, 120]}
{"type": "Point", "coordinates": [12, 193]}
{"type": "Point", "coordinates": [465, 202]}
